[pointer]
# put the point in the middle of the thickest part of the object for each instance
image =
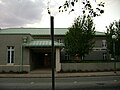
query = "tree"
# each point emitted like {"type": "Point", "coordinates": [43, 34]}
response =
{"type": "Point", "coordinates": [69, 6]}
{"type": "Point", "coordinates": [79, 39]}
{"type": "Point", "coordinates": [113, 29]}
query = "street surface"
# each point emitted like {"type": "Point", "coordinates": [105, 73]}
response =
{"type": "Point", "coordinates": [71, 83]}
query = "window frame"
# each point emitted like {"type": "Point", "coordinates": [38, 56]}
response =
{"type": "Point", "coordinates": [67, 56]}
{"type": "Point", "coordinates": [104, 43]}
{"type": "Point", "coordinates": [104, 56]}
{"type": "Point", "coordinates": [10, 55]}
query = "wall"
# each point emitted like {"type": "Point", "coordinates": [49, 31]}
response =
{"type": "Point", "coordinates": [98, 41]}
{"type": "Point", "coordinates": [95, 55]}
{"type": "Point", "coordinates": [89, 66]}
{"type": "Point", "coordinates": [16, 41]}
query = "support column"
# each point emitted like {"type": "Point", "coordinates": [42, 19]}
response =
{"type": "Point", "coordinates": [58, 64]}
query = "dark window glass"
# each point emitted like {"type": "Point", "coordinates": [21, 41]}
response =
{"type": "Point", "coordinates": [12, 57]}
{"type": "Point", "coordinates": [8, 56]}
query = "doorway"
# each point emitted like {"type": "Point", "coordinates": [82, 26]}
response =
{"type": "Point", "coordinates": [40, 60]}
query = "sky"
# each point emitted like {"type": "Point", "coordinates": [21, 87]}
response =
{"type": "Point", "coordinates": [33, 14]}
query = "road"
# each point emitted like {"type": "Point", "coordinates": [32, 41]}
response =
{"type": "Point", "coordinates": [71, 83]}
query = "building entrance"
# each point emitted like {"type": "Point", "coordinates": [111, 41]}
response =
{"type": "Point", "coordinates": [40, 60]}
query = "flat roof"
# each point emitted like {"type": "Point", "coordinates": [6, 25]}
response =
{"type": "Point", "coordinates": [39, 31]}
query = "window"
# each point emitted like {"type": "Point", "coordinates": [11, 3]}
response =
{"type": "Point", "coordinates": [67, 56]}
{"type": "Point", "coordinates": [104, 56]}
{"type": "Point", "coordinates": [104, 44]}
{"type": "Point", "coordinates": [60, 40]}
{"type": "Point", "coordinates": [10, 54]}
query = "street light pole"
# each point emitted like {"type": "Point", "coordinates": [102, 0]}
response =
{"type": "Point", "coordinates": [52, 56]}
{"type": "Point", "coordinates": [114, 37]}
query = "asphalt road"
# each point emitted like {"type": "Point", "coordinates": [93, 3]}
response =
{"type": "Point", "coordinates": [72, 83]}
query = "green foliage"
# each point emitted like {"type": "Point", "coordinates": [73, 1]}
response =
{"type": "Point", "coordinates": [113, 29]}
{"type": "Point", "coordinates": [69, 6]}
{"type": "Point", "coordinates": [79, 39]}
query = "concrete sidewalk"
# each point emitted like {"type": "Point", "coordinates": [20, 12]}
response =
{"type": "Point", "coordinates": [60, 75]}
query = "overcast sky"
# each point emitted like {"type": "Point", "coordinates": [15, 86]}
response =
{"type": "Point", "coordinates": [33, 13]}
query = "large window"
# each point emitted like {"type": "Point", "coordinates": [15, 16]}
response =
{"type": "Point", "coordinates": [104, 44]}
{"type": "Point", "coordinates": [10, 54]}
{"type": "Point", "coordinates": [67, 56]}
{"type": "Point", "coordinates": [104, 56]}
{"type": "Point", "coordinates": [60, 40]}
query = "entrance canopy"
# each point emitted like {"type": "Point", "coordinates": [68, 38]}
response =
{"type": "Point", "coordinates": [42, 43]}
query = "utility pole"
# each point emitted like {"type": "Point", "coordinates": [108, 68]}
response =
{"type": "Point", "coordinates": [52, 56]}
{"type": "Point", "coordinates": [114, 38]}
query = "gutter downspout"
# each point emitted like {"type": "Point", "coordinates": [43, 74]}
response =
{"type": "Point", "coordinates": [21, 63]}
{"type": "Point", "coordinates": [22, 59]}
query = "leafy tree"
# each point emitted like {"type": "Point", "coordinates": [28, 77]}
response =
{"type": "Point", "coordinates": [113, 29]}
{"type": "Point", "coordinates": [69, 6]}
{"type": "Point", "coordinates": [79, 39]}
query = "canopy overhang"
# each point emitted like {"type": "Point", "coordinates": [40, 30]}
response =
{"type": "Point", "coordinates": [42, 43]}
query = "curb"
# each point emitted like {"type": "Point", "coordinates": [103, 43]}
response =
{"type": "Point", "coordinates": [60, 75]}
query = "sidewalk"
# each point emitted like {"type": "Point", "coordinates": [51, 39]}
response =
{"type": "Point", "coordinates": [60, 75]}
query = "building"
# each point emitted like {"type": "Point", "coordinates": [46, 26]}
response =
{"type": "Point", "coordinates": [27, 49]}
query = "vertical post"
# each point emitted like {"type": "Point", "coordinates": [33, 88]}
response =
{"type": "Point", "coordinates": [114, 38]}
{"type": "Point", "coordinates": [21, 58]}
{"type": "Point", "coordinates": [114, 56]}
{"type": "Point", "coordinates": [58, 64]}
{"type": "Point", "coordinates": [52, 56]}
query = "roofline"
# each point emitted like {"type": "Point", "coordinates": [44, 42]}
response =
{"type": "Point", "coordinates": [15, 34]}
{"type": "Point", "coordinates": [39, 34]}
{"type": "Point", "coordinates": [30, 28]}
{"type": "Point", "coordinates": [41, 46]}
{"type": "Point", "coordinates": [100, 35]}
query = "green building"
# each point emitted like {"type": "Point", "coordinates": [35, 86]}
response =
{"type": "Point", "coordinates": [27, 49]}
